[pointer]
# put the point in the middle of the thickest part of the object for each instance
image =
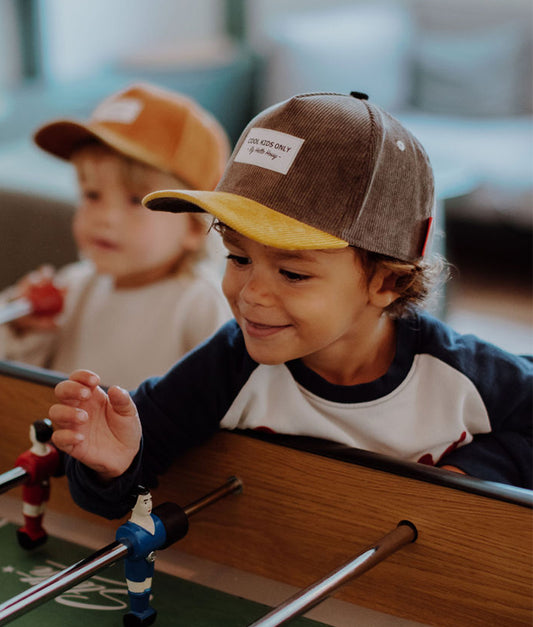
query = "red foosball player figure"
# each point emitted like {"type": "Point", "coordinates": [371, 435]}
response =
{"type": "Point", "coordinates": [41, 461]}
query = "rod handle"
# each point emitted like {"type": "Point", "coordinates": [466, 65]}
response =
{"type": "Point", "coordinates": [304, 600]}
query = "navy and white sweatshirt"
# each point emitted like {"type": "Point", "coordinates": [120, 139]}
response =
{"type": "Point", "coordinates": [446, 399]}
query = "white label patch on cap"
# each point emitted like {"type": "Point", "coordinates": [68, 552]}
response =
{"type": "Point", "coordinates": [268, 149]}
{"type": "Point", "coordinates": [124, 110]}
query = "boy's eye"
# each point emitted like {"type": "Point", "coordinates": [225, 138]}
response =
{"type": "Point", "coordinates": [294, 276]}
{"type": "Point", "coordinates": [136, 200]}
{"type": "Point", "coordinates": [238, 260]}
{"type": "Point", "coordinates": [91, 194]}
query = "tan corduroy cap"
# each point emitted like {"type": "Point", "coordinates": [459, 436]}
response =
{"type": "Point", "coordinates": [161, 128]}
{"type": "Point", "coordinates": [322, 171]}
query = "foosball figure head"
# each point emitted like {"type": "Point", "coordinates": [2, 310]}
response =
{"type": "Point", "coordinates": [40, 434]}
{"type": "Point", "coordinates": [142, 508]}
{"type": "Point", "coordinates": [41, 462]}
{"type": "Point", "coordinates": [143, 533]}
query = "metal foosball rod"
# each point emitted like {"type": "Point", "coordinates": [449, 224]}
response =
{"type": "Point", "coordinates": [306, 599]}
{"type": "Point", "coordinates": [175, 520]}
{"type": "Point", "coordinates": [12, 478]}
{"type": "Point", "coordinates": [36, 464]}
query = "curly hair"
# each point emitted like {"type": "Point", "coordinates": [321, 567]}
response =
{"type": "Point", "coordinates": [416, 283]}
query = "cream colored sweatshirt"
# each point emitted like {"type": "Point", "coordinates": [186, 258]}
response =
{"type": "Point", "coordinates": [124, 335]}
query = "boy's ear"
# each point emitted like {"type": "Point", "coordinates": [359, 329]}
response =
{"type": "Point", "coordinates": [196, 233]}
{"type": "Point", "coordinates": [382, 288]}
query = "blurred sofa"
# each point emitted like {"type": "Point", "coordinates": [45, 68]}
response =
{"type": "Point", "coordinates": [458, 73]}
{"type": "Point", "coordinates": [35, 230]}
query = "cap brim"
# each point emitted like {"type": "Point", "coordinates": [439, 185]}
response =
{"type": "Point", "coordinates": [246, 216]}
{"type": "Point", "coordinates": [63, 137]}
{"type": "Point", "coordinates": [60, 138]}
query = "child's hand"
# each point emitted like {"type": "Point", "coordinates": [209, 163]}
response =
{"type": "Point", "coordinates": [45, 297]}
{"type": "Point", "coordinates": [102, 430]}
{"type": "Point", "coordinates": [453, 469]}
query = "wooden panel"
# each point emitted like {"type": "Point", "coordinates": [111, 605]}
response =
{"type": "Point", "coordinates": [301, 515]}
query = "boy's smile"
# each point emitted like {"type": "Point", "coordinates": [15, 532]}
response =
{"type": "Point", "coordinates": [258, 330]}
{"type": "Point", "coordinates": [315, 305]}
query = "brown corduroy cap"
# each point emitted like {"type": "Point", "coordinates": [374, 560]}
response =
{"type": "Point", "coordinates": [322, 171]}
{"type": "Point", "coordinates": [161, 128]}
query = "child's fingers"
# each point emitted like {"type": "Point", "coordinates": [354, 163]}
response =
{"type": "Point", "coordinates": [124, 424]}
{"type": "Point", "coordinates": [67, 417]}
{"type": "Point", "coordinates": [35, 323]}
{"type": "Point", "coordinates": [453, 469]}
{"type": "Point", "coordinates": [44, 323]}
{"type": "Point", "coordinates": [66, 440]}
{"type": "Point", "coordinates": [72, 392]}
{"type": "Point", "coordinates": [67, 421]}
{"type": "Point", "coordinates": [46, 271]}
{"type": "Point", "coordinates": [42, 273]}
{"type": "Point", "coordinates": [78, 387]}
{"type": "Point", "coordinates": [87, 377]}
{"type": "Point", "coordinates": [121, 401]}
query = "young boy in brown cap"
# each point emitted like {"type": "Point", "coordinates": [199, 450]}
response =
{"type": "Point", "coordinates": [325, 208]}
{"type": "Point", "coordinates": [138, 301]}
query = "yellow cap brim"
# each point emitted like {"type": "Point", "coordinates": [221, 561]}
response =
{"type": "Point", "coordinates": [246, 216]}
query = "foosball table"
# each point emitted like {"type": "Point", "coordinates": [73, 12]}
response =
{"type": "Point", "coordinates": [361, 538]}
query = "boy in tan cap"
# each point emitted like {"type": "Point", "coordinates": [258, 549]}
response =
{"type": "Point", "coordinates": [138, 301]}
{"type": "Point", "coordinates": [325, 208]}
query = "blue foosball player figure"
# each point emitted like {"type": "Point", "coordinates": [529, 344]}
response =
{"type": "Point", "coordinates": [143, 533]}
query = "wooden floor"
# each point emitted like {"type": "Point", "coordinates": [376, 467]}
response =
{"type": "Point", "coordinates": [490, 292]}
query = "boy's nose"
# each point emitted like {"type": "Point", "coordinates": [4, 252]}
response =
{"type": "Point", "coordinates": [256, 290]}
{"type": "Point", "coordinates": [108, 215]}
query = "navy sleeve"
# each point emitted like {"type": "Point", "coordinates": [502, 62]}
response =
{"type": "Point", "coordinates": [505, 384]}
{"type": "Point", "coordinates": [179, 410]}
{"type": "Point", "coordinates": [501, 457]}
{"type": "Point", "coordinates": [506, 453]}
{"type": "Point", "coordinates": [184, 408]}
{"type": "Point", "coordinates": [109, 500]}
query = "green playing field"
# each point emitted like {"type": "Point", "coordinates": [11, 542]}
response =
{"type": "Point", "coordinates": [102, 600]}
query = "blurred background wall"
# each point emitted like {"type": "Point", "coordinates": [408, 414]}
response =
{"type": "Point", "coordinates": [457, 72]}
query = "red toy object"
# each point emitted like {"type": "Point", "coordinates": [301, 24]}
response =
{"type": "Point", "coordinates": [43, 299]}
{"type": "Point", "coordinates": [40, 462]}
